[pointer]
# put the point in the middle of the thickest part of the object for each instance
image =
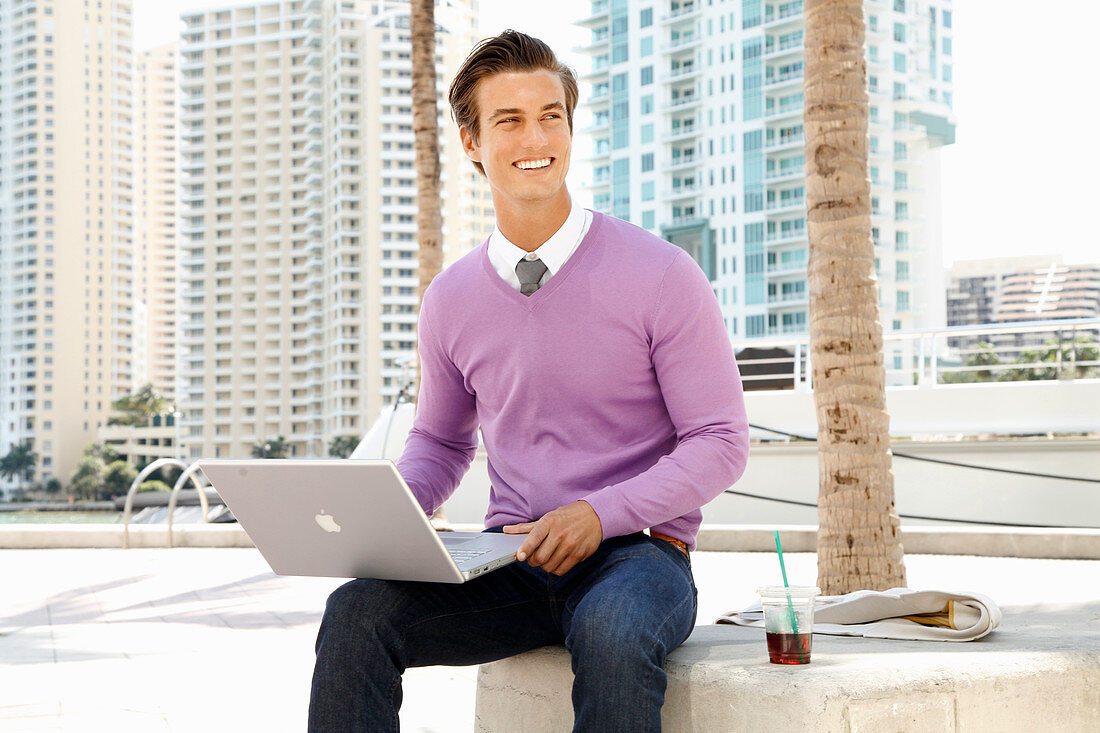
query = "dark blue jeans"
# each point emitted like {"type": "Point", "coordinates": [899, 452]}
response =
{"type": "Point", "coordinates": [620, 613]}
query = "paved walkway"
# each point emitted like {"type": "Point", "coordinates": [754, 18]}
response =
{"type": "Point", "coordinates": [209, 640]}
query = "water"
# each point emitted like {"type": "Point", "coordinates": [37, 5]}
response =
{"type": "Point", "coordinates": [62, 517]}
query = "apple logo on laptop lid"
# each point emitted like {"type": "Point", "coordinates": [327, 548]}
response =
{"type": "Point", "coordinates": [326, 522]}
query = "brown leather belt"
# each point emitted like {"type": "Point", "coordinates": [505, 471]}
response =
{"type": "Point", "coordinates": [678, 544]}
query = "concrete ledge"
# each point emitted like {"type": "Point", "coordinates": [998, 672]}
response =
{"type": "Point", "coordinates": [71, 536]}
{"type": "Point", "coordinates": [1040, 669]}
{"type": "Point", "coordinates": [1066, 544]}
{"type": "Point", "coordinates": [1069, 544]}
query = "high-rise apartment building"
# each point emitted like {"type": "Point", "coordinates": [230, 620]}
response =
{"type": "Point", "coordinates": [298, 195]}
{"type": "Point", "coordinates": [1012, 289]}
{"type": "Point", "coordinates": [155, 167]}
{"type": "Point", "coordinates": [66, 223]}
{"type": "Point", "coordinates": [698, 136]}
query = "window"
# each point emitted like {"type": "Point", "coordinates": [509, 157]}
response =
{"type": "Point", "coordinates": [899, 32]}
{"type": "Point", "coordinates": [619, 53]}
{"type": "Point", "coordinates": [901, 241]}
{"type": "Point", "coordinates": [901, 180]}
{"type": "Point", "coordinates": [754, 326]}
{"type": "Point", "coordinates": [899, 6]}
{"type": "Point", "coordinates": [647, 162]}
{"type": "Point", "coordinates": [648, 191]}
{"type": "Point", "coordinates": [646, 18]}
{"type": "Point", "coordinates": [647, 133]}
{"type": "Point", "coordinates": [649, 220]}
{"type": "Point", "coordinates": [646, 47]}
{"type": "Point", "coordinates": [947, 72]}
{"type": "Point", "coordinates": [947, 19]}
{"type": "Point", "coordinates": [899, 62]}
{"type": "Point", "coordinates": [646, 103]}
{"type": "Point", "coordinates": [901, 271]}
{"type": "Point", "coordinates": [901, 211]}
{"type": "Point", "coordinates": [647, 75]}
{"type": "Point", "coordinates": [946, 44]}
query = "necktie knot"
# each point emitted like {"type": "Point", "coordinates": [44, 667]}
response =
{"type": "Point", "coordinates": [530, 272]}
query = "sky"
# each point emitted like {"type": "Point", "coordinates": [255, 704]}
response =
{"type": "Point", "coordinates": [1021, 178]}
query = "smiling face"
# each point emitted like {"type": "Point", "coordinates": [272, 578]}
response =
{"type": "Point", "coordinates": [524, 141]}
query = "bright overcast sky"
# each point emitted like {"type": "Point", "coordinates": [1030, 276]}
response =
{"type": "Point", "coordinates": [1021, 177]}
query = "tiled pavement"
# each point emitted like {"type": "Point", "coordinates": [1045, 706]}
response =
{"type": "Point", "coordinates": [210, 640]}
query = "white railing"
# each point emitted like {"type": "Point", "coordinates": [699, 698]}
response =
{"type": "Point", "coordinates": [1056, 350]}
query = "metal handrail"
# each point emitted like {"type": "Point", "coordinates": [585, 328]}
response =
{"type": "Point", "coordinates": [174, 497]}
{"type": "Point", "coordinates": [128, 509]}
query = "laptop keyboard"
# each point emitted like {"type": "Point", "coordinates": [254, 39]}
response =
{"type": "Point", "coordinates": [461, 555]}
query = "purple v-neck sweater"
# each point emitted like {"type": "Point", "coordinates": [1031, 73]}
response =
{"type": "Point", "coordinates": [614, 383]}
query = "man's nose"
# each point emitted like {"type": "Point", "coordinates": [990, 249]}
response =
{"type": "Point", "coordinates": [533, 135]}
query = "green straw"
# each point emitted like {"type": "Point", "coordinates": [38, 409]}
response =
{"type": "Point", "coordinates": [783, 567]}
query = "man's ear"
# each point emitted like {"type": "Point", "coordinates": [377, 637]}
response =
{"type": "Point", "coordinates": [472, 149]}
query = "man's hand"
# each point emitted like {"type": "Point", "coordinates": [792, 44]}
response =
{"type": "Point", "coordinates": [560, 539]}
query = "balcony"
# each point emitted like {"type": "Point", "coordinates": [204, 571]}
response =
{"type": "Point", "coordinates": [683, 103]}
{"type": "Point", "coordinates": [779, 112]}
{"type": "Point", "coordinates": [786, 173]}
{"type": "Point", "coordinates": [788, 15]}
{"type": "Point", "coordinates": [683, 192]}
{"type": "Point", "coordinates": [596, 16]}
{"type": "Point", "coordinates": [680, 162]}
{"type": "Point", "coordinates": [684, 12]}
{"type": "Point", "coordinates": [684, 71]}
{"type": "Point", "coordinates": [785, 79]}
{"type": "Point", "coordinates": [786, 207]}
{"type": "Point", "coordinates": [791, 235]}
{"type": "Point", "coordinates": [683, 43]}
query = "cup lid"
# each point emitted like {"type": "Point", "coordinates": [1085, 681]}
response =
{"type": "Point", "coordinates": [795, 591]}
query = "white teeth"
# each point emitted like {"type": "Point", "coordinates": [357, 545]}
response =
{"type": "Point", "coordinates": [529, 164]}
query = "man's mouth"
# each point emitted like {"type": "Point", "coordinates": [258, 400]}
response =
{"type": "Point", "coordinates": [533, 164]}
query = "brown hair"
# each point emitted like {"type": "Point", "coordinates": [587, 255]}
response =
{"type": "Point", "coordinates": [511, 51]}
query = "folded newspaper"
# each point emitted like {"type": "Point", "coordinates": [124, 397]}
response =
{"type": "Point", "coordinates": [898, 613]}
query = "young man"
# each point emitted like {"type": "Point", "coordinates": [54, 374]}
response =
{"type": "Point", "coordinates": [594, 358]}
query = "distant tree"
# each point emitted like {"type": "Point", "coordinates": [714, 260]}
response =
{"type": "Point", "coordinates": [117, 479]}
{"type": "Point", "coordinates": [153, 486]}
{"type": "Point", "coordinates": [276, 448]}
{"type": "Point", "coordinates": [983, 360]}
{"type": "Point", "coordinates": [138, 408]}
{"type": "Point", "coordinates": [101, 451]}
{"type": "Point", "coordinates": [19, 464]}
{"type": "Point", "coordinates": [1073, 357]}
{"type": "Point", "coordinates": [87, 480]}
{"type": "Point", "coordinates": [53, 486]}
{"type": "Point", "coordinates": [342, 446]}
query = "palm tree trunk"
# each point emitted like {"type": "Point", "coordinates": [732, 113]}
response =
{"type": "Point", "coordinates": [426, 129]}
{"type": "Point", "coordinates": [858, 544]}
{"type": "Point", "coordinates": [429, 219]}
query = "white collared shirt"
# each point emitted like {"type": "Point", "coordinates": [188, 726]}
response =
{"type": "Point", "coordinates": [554, 252]}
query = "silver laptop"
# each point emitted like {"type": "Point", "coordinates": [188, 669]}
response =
{"type": "Point", "coordinates": [349, 519]}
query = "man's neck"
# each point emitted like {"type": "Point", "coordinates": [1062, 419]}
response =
{"type": "Point", "coordinates": [528, 226]}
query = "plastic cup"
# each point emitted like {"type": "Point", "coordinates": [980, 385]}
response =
{"type": "Point", "coordinates": [789, 622]}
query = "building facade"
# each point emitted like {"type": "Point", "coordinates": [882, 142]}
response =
{"type": "Point", "coordinates": [697, 136]}
{"type": "Point", "coordinates": [298, 195]}
{"type": "Point", "coordinates": [155, 261]}
{"type": "Point", "coordinates": [66, 224]}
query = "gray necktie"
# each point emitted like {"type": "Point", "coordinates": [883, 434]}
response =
{"type": "Point", "coordinates": [530, 272]}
